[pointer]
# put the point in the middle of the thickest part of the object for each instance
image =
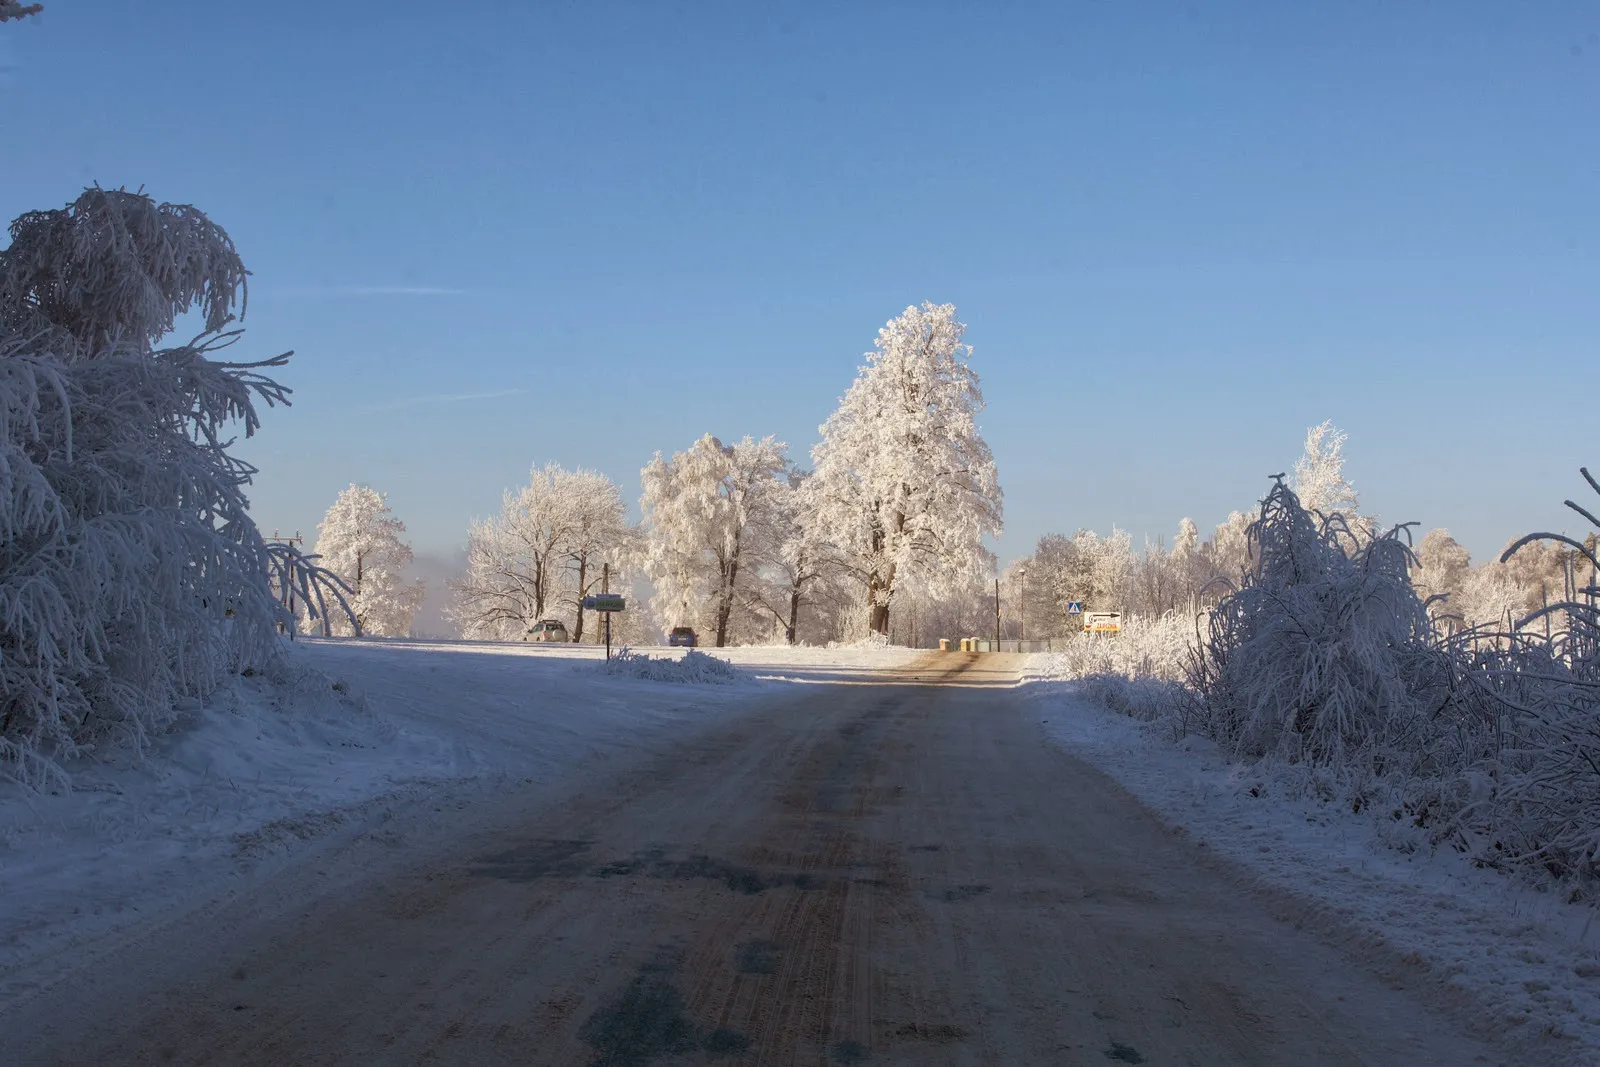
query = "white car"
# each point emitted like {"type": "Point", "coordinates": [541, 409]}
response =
{"type": "Point", "coordinates": [547, 630]}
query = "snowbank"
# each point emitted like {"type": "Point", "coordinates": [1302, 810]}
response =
{"type": "Point", "coordinates": [693, 668]}
{"type": "Point", "coordinates": [1360, 879]}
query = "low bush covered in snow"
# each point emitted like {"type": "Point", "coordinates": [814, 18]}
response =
{"type": "Point", "coordinates": [694, 667]}
{"type": "Point", "coordinates": [1486, 741]}
{"type": "Point", "coordinates": [1324, 667]}
{"type": "Point", "coordinates": [1324, 654]}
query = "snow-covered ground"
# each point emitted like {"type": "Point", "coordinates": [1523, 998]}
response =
{"type": "Point", "coordinates": [1528, 957]}
{"type": "Point", "coordinates": [355, 731]}
{"type": "Point", "coordinates": [361, 733]}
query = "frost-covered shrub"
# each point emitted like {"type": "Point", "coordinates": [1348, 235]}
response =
{"type": "Point", "coordinates": [1139, 672]}
{"type": "Point", "coordinates": [1146, 648]}
{"type": "Point", "coordinates": [1325, 654]}
{"type": "Point", "coordinates": [131, 573]}
{"type": "Point", "coordinates": [1533, 774]}
{"type": "Point", "coordinates": [1141, 697]}
{"type": "Point", "coordinates": [694, 668]}
{"type": "Point", "coordinates": [869, 641]}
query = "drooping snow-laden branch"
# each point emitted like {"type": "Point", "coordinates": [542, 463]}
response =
{"type": "Point", "coordinates": [11, 9]}
{"type": "Point", "coordinates": [132, 575]}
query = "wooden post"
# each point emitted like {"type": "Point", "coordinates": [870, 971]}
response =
{"type": "Point", "coordinates": [605, 587]}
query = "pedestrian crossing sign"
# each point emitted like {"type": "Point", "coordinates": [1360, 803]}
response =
{"type": "Point", "coordinates": [1075, 607]}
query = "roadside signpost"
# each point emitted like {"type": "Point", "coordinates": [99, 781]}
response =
{"type": "Point", "coordinates": [605, 603]}
{"type": "Point", "coordinates": [1075, 607]}
{"type": "Point", "coordinates": [1103, 622]}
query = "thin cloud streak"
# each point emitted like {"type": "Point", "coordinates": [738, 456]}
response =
{"type": "Point", "coordinates": [403, 290]}
{"type": "Point", "coordinates": [365, 290]}
{"type": "Point", "coordinates": [441, 398]}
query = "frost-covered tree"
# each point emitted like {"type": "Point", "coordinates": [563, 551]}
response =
{"type": "Point", "coordinates": [791, 562]}
{"type": "Point", "coordinates": [1159, 580]}
{"type": "Point", "coordinates": [1443, 567]}
{"type": "Point", "coordinates": [1227, 556]}
{"type": "Point", "coordinates": [598, 540]}
{"type": "Point", "coordinates": [131, 572]}
{"type": "Point", "coordinates": [520, 562]}
{"type": "Point", "coordinates": [906, 485]}
{"type": "Point", "coordinates": [359, 540]}
{"type": "Point", "coordinates": [1186, 563]}
{"type": "Point", "coordinates": [1113, 566]}
{"type": "Point", "coordinates": [706, 512]}
{"type": "Point", "coordinates": [1319, 479]}
{"type": "Point", "coordinates": [1488, 596]}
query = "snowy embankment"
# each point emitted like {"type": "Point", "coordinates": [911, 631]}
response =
{"type": "Point", "coordinates": [1472, 936]}
{"type": "Point", "coordinates": [350, 736]}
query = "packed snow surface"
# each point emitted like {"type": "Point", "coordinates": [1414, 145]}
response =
{"type": "Point", "coordinates": [1359, 879]}
{"type": "Point", "coordinates": [272, 762]}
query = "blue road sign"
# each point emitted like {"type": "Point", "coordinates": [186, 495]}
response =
{"type": "Point", "coordinates": [1075, 607]}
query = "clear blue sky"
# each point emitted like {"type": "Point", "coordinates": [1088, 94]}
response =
{"type": "Point", "coordinates": [499, 234]}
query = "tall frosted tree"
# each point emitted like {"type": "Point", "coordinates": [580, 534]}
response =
{"type": "Point", "coordinates": [359, 540]}
{"type": "Point", "coordinates": [707, 512]}
{"type": "Point", "coordinates": [906, 486]}
{"type": "Point", "coordinates": [126, 541]}
{"type": "Point", "coordinates": [559, 529]}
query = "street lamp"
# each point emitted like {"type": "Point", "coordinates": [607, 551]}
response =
{"type": "Point", "coordinates": [1022, 613]}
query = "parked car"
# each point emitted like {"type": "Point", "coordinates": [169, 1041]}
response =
{"type": "Point", "coordinates": [683, 637]}
{"type": "Point", "coordinates": [547, 630]}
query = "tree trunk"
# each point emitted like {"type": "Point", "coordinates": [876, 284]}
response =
{"type": "Point", "coordinates": [725, 607]}
{"type": "Point", "coordinates": [794, 615]}
{"type": "Point", "coordinates": [879, 589]}
{"type": "Point", "coordinates": [724, 611]}
{"type": "Point", "coordinates": [878, 619]}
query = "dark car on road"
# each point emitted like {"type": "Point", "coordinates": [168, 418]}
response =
{"type": "Point", "coordinates": [682, 637]}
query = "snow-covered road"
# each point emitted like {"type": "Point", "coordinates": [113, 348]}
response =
{"type": "Point", "coordinates": [890, 866]}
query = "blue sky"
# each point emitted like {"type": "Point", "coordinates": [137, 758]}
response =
{"type": "Point", "coordinates": [497, 235]}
